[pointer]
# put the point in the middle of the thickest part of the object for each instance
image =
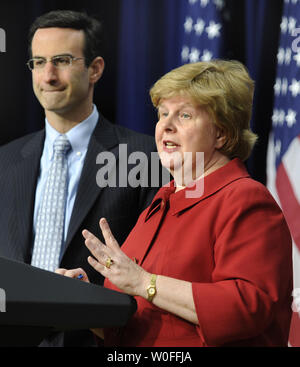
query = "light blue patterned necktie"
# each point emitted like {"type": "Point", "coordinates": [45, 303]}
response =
{"type": "Point", "coordinates": [51, 215]}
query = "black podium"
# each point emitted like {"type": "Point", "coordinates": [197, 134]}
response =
{"type": "Point", "coordinates": [38, 302]}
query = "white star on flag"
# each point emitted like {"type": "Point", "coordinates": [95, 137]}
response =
{"type": "Point", "coordinates": [284, 25]}
{"type": "Point", "coordinates": [295, 88]}
{"type": "Point", "coordinates": [292, 24]}
{"type": "Point", "coordinates": [194, 55]}
{"type": "Point", "coordinates": [188, 25]}
{"type": "Point", "coordinates": [219, 4]}
{"type": "Point", "coordinates": [207, 56]}
{"type": "Point", "coordinates": [185, 53]}
{"type": "Point", "coordinates": [204, 3]}
{"type": "Point", "coordinates": [291, 118]}
{"type": "Point", "coordinates": [277, 86]}
{"type": "Point", "coordinates": [284, 86]}
{"type": "Point", "coordinates": [275, 117]}
{"type": "Point", "coordinates": [281, 55]}
{"type": "Point", "coordinates": [281, 117]}
{"type": "Point", "coordinates": [213, 30]}
{"type": "Point", "coordinates": [288, 56]}
{"type": "Point", "coordinates": [297, 58]}
{"type": "Point", "coordinates": [277, 147]}
{"type": "Point", "coordinates": [199, 26]}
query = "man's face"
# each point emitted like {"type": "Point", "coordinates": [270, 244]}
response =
{"type": "Point", "coordinates": [61, 90]}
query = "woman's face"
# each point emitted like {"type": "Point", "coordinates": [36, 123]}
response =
{"type": "Point", "coordinates": [185, 127]}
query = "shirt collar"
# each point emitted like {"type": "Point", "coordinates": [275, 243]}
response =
{"type": "Point", "coordinates": [79, 136]}
{"type": "Point", "coordinates": [215, 181]}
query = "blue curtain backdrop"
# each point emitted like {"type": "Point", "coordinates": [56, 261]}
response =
{"type": "Point", "coordinates": [262, 32]}
{"type": "Point", "coordinates": [157, 36]}
{"type": "Point", "coordinates": [136, 63]}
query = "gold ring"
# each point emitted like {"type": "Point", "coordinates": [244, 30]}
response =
{"type": "Point", "coordinates": [109, 262]}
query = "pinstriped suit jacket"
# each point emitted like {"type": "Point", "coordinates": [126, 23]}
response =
{"type": "Point", "coordinates": [19, 170]}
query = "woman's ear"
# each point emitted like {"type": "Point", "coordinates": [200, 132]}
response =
{"type": "Point", "coordinates": [96, 69]}
{"type": "Point", "coordinates": [220, 138]}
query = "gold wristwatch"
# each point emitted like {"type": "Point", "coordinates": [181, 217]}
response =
{"type": "Point", "coordinates": [151, 289]}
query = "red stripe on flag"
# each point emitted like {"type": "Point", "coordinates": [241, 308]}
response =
{"type": "Point", "coordinates": [289, 203]}
{"type": "Point", "coordinates": [294, 338]}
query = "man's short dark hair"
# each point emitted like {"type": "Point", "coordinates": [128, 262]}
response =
{"type": "Point", "coordinates": [75, 20]}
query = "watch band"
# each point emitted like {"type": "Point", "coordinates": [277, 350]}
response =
{"type": "Point", "coordinates": [151, 289]}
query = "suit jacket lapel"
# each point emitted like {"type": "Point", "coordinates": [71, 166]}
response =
{"type": "Point", "coordinates": [26, 174]}
{"type": "Point", "coordinates": [102, 139]}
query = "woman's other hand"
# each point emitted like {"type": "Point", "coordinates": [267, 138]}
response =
{"type": "Point", "coordinates": [74, 273]}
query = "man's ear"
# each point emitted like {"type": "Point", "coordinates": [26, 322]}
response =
{"type": "Point", "coordinates": [96, 69]}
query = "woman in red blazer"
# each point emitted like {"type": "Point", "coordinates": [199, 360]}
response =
{"type": "Point", "coordinates": [210, 261]}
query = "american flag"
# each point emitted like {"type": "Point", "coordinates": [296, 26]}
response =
{"type": "Point", "coordinates": [283, 163]}
{"type": "Point", "coordinates": [202, 38]}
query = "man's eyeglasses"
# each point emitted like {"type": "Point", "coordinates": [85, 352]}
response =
{"type": "Point", "coordinates": [60, 62]}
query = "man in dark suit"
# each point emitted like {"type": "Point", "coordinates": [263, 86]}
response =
{"type": "Point", "coordinates": [65, 64]}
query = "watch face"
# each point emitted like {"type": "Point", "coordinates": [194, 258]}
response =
{"type": "Point", "coordinates": [151, 291]}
